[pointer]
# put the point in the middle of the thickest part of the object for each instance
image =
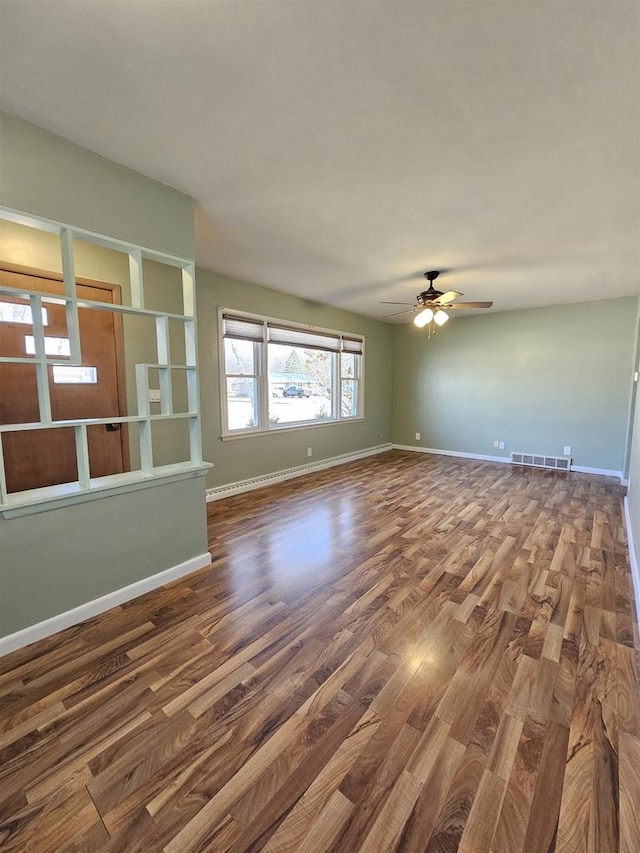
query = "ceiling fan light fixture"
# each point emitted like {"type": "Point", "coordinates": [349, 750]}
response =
{"type": "Point", "coordinates": [423, 318]}
{"type": "Point", "coordinates": [431, 306]}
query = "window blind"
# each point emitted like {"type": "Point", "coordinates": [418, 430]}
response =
{"type": "Point", "coordinates": [249, 329]}
{"type": "Point", "coordinates": [313, 340]}
{"type": "Point", "coordinates": [241, 328]}
{"type": "Point", "coordinates": [303, 338]}
{"type": "Point", "coordinates": [353, 345]}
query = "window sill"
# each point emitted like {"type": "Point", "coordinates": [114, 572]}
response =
{"type": "Point", "coordinates": [68, 494]}
{"type": "Point", "coordinates": [233, 436]}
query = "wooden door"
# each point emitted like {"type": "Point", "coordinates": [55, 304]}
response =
{"type": "Point", "coordinates": [37, 458]}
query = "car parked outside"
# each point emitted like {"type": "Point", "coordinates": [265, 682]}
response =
{"type": "Point", "coordinates": [294, 391]}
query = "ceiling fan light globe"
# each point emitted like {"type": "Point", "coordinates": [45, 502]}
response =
{"type": "Point", "coordinates": [423, 318]}
{"type": "Point", "coordinates": [440, 317]}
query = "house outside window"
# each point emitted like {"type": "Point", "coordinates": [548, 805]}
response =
{"type": "Point", "coordinates": [280, 375]}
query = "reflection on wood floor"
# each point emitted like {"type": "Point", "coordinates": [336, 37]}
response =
{"type": "Point", "coordinates": [409, 652]}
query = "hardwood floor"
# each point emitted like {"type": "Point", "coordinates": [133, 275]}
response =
{"type": "Point", "coordinates": [409, 652]}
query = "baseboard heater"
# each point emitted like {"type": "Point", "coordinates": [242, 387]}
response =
{"type": "Point", "coordinates": [558, 463]}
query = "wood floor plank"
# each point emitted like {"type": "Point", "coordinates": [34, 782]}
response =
{"type": "Point", "coordinates": [420, 826]}
{"type": "Point", "coordinates": [295, 827]}
{"type": "Point", "coordinates": [629, 787]}
{"type": "Point", "coordinates": [390, 822]}
{"type": "Point", "coordinates": [371, 779]}
{"type": "Point", "coordinates": [484, 815]}
{"type": "Point", "coordinates": [294, 775]}
{"type": "Point", "coordinates": [516, 809]}
{"type": "Point", "coordinates": [328, 825]}
{"type": "Point", "coordinates": [50, 824]}
{"type": "Point", "coordinates": [407, 652]}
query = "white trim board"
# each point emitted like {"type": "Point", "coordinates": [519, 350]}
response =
{"type": "Point", "coordinates": [225, 491]}
{"type": "Point", "coordinates": [603, 472]}
{"type": "Point", "coordinates": [635, 569]}
{"type": "Point", "coordinates": [506, 460]}
{"type": "Point", "coordinates": [459, 454]}
{"type": "Point", "coordinates": [40, 630]}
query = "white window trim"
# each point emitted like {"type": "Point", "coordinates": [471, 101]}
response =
{"type": "Point", "coordinates": [263, 373]}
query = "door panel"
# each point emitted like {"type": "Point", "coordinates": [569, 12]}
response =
{"type": "Point", "coordinates": [37, 458]}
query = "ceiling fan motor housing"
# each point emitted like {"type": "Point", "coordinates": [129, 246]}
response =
{"type": "Point", "coordinates": [428, 296]}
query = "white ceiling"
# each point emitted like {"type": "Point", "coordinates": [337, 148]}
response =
{"type": "Point", "coordinates": [336, 150]}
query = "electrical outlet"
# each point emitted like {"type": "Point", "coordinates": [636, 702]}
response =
{"type": "Point", "coordinates": [501, 445]}
{"type": "Point", "coordinates": [417, 436]}
{"type": "Point", "coordinates": [496, 444]}
{"type": "Point", "coordinates": [309, 451]}
{"type": "Point", "coordinates": [154, 395]}
{"type": "Point", "coordinates": [567, 450]}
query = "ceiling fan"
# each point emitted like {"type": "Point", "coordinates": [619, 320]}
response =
{"type": "Point", "coordinates": [434, 304]}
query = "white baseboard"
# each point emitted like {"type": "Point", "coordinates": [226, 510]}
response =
{"type": "Point", "coordinates": [225, 491]}
{"type": "Point", "coordinates": [581, 469]}
{"type": "Point", "coordinates": [457, 453]}
{"type": "Point", "coordinates": [633, 560]}
{"type": "Point", "coordinates": [603, 472]}
{"type": "Point", "coordinates": [98, 605]}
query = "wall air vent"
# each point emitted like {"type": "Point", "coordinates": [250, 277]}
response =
{"type": "Point", "coordinates": [558, 463]}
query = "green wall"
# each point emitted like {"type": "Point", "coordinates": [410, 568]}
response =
{"type": "Point", "coordinates": [250, 456]}
{"type": "Point", "coordinates": [537, 379]}
{"type": "Point", "coordinates": [45, 174]}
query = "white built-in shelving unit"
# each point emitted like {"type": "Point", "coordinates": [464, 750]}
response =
{"type": "Point", "coordinates": [85, 486]}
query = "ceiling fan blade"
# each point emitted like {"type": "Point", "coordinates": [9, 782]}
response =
{"type": "Point", "coordinates": [449, 296]}
{"type": "Point", "coordinates": [397, 313]}
{"type": "Point", "coordinates": [468, 305]}
{"type": "Point", "coordinates": [395, 303]}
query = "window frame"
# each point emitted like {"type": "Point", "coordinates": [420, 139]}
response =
{"type": "Point", "coordinates": [262, 406]}
{"type": "Point", "coordinates": [356, 379]}
{"type": "Point", "coordinates": [253, 377]}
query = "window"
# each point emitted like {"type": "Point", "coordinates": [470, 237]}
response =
{"type": "Point", "coordinates": [52, 346]}
{"type": "Point", "coordinates": [349, 364]}
{"type": "Point", "coordinates": [15, 312]}
{"type": "Point", "coordinates": [277, 375]}
{"type": "Point", "coordinates": [74, 375]}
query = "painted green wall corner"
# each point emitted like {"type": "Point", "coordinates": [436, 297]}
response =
{"type": "Point", "coordinates": [634, 400]}
{"type": "Point", "coordinates": [634, 486]}
{"type": "Point", "coordinates": [252, 456]}
{"type": "Point", "coordinates": [538, 379]}
{"type": "Point", "coordinates": [633, 467]}
{"type": "Point", "coordinates": [47, 175]}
